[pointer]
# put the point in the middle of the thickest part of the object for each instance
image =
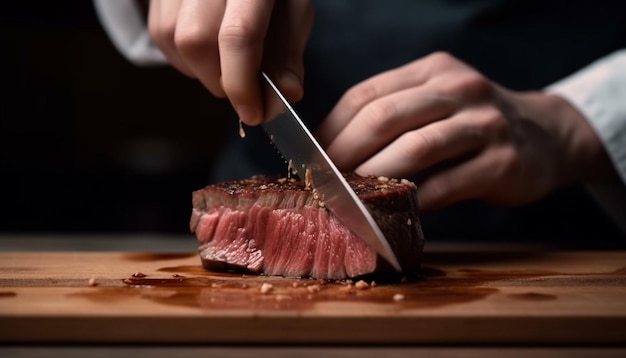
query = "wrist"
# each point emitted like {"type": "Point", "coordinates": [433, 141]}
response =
{"type": "Point", "coordinates": [585, 159]}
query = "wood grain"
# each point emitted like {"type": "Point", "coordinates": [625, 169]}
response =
{"type": "Point", "coordinates": [460, 297]}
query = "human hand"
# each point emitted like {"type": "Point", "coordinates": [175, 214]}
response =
{"type": "Point", "coordinates": [226, 43]}
{"type": "Point", "coordinates": [506, 147]}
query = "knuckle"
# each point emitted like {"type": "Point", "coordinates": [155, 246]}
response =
{"type": "Point", "coordinates": [239, 36]}
{"type": "Point", "coordinates": [508, 163]}
{"type": "Point", "coordinates": [441, 56]}
{"type": "Point", "coordinates": [441, 61]}
{"type": "Point", "coordinates": [424, 143]}
{"type": "Point", "coordinates": [494, 122]}
{"type": "Point", "coordinates": [360, 95]}
{"type": "Point", "coordinates": [382, 112]}
{"type": "Point", "coordinates": [409, 147]}
{"type": "Point", "coordinates": [433, 63]}
{"type": "Point", "coordinates": [191, 39]}
{"type": "Point", "coordinates": [161, 33]}
{"type": "Point", "coordinates": [472, 85]}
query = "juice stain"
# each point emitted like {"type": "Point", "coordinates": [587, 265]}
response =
{"type": "Point", "coordinates": [7, 294]}
{"type": "Point", "coordinates": [431, 287]}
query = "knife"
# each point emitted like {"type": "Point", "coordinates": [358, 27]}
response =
{"type": "Point", "coordinates": [296, 143]}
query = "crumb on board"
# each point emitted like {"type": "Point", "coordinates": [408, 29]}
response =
{"type": "Point", "coordinates": [266, 288]}
{"type": "Point", "coordinates": [314, 288]}
{"type": "Point", "coordinates": [398, 297]}
{"type": "Point", "coordinates": [92, 282]}
{"type": "Point", "coordinates": [361, 285]}
{"type": "Point", "coordinates": [242, 132]}
{"type": "Point", "coordinates": [348, 289]}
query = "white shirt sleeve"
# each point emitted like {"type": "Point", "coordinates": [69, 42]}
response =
{"type": "Point", "coordinates": [598, 91]}
{"type": "Point", "coordinates": [123, 22]}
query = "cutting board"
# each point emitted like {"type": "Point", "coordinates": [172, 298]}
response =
{"type": "Point", "coordinates": [461, 296]}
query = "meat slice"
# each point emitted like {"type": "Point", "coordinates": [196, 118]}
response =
{"type": "Point", "coordinates": [279, 226]}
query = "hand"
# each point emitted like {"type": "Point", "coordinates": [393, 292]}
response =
{"type": "Point", "coordinates": [506, 147]}
{"type": "Point", "coordinates": [226, 43]}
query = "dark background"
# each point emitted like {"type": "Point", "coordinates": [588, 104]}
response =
{"type": "Point", "coordinates": [88, 141]}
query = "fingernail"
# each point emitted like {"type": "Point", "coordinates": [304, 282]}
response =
{"type": "Point", "coordinates": [248, 115]}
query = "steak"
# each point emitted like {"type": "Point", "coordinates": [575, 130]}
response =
{"type": "Point", "coordinates": [280, 226]}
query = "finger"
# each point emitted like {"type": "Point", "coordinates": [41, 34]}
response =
{"type": "Point", "coordinates": [410, 75]}
{"type": "Point", "coordinates": [162, 18]}
{"type": "Point", "coordinates": [384, 120]}
{"type": "Point", "coordinates": [240, 39]}
{"type": "Point", "coordinates": [414, 151]}
{"type": "Point", "coordinates": [197, 41]}
{"type": "Point", "coordinates": [284, 49]}
{"type": "Point", "coordinates": [469, 180]}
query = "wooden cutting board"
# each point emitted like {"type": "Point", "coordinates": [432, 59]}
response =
{"type": "Point", "coordinates": [461, 297]}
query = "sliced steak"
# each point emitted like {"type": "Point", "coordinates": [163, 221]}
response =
{"type": "Point", "coordinates": [280, 227]}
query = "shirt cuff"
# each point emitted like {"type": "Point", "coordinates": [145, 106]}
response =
{"type": "Point", "coordinates": [123, 22]}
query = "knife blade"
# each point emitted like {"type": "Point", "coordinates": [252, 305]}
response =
{"type": "Point", "coordinates": [296, 143]}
